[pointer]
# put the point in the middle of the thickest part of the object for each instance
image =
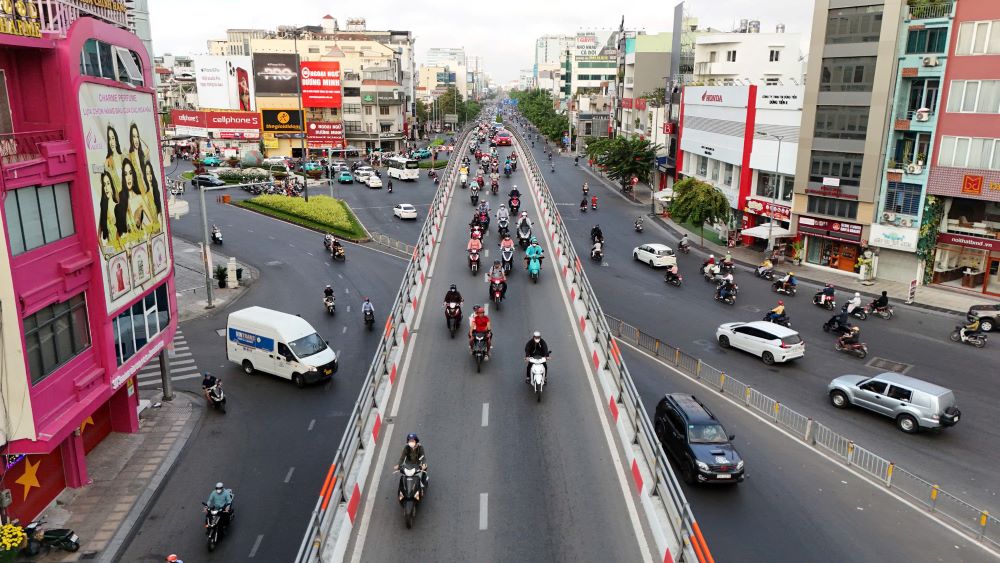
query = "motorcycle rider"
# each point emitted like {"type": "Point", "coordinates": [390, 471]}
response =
{"type": "Point", "coordinates": [535, 347]}
{"type": "Point", "coordinates": [827, 293]}
{"type": "Point", "coordinates": [851, 338]}
{"type": "Point", "coordinates": [216, 232]}
{"type": "Point", "coordinates": [672, 271]}
{"type": "Point", "coordinates": [413, 453]}
{"type": "Point", "coordinates": [522, 219]}
{"type": "Point", "coordinates": [453, 296]}
{"type": "Point", "coordinates": [336, 248]}
{"type": "Point", "coordinates": [596, 234]}
{"type": "Point", "coordinates": [778, 312]}
{"type": "Point", "coordinates": [684, 243]}
{"type": "Point", "coordinates": [480, 322]}
{"type": "Point", "coordinates": [597, 248]}
{"type": "Point", "coordinates": [208, 381]}
{"type": "Point", "coordinates": [327, 292]}
{"type": "Point", "coordinates": [502, 213]}
{"type": "Point", "coordinates": [513, 192]}
{"type": "Point", "coordinates": [764, 266]}
{"type": "Point", "coordinates": [854, 303]}
{"type": "Point", "coordinates": [474, 244]}
{"type": "Point", "coordinates": [367, 306]}
{"type": "Point", "coordinates": [327, 240]}
{"type": "Point", "coordinates": [221, 498]}
{"type": "Point", "coordinates": [534, 250]}
{"type": "Point", "coordinates": [484, 206]}
{"type": "Point", "coordinates": [507, 243]}
{"type": "Point", "coordinates": [725, 288]}
{"type": "Point", "coordinates": [586, 189]}
{"type": "Point", "coordinates": [788, 281]}
{"type": "Point", "coordinates": [496, 273]}
{"type": "Point", "coordinates": [971, 328]}
{"type": "Point", "coordinates": [881, 302]}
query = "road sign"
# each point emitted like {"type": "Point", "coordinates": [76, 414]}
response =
{"type": "Point", "coordinates": [451, 118]}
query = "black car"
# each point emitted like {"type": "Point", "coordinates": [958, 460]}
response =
{"type": "Point", "coordinates": [989, 316]}
{"type": "Point", "coordinates": [696, 442]}
{"type": "Point", "coordinates": [208, 180]}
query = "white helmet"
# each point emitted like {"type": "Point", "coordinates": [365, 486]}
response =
{"type": "Point", "coordinates": [524, 214]}
{"type": "Point", "coordinates": [857, 294]}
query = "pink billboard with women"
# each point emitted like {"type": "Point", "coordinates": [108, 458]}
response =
{"type": "Point", "coordinates": [123, 163]}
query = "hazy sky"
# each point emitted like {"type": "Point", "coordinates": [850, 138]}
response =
{"type": "Point", "coordinates": [503, 33]}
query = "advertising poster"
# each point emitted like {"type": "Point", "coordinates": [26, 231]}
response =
{"type": "Point", "coordinates": [325, 135]}
{"type": "Point", "coordinates": [281, 120]}
{"type": "Point", "coordinates": [126, 180]}
{"type": "Point", "coordinates": [224, 82]}
{"type": "Point", "coordinates": [275, 74]}
{"type": "Point", "coordinates": [321, 84]}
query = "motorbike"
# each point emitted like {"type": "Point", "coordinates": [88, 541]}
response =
{"type": "Point", "coordinates": [884, 312]}
{"type": "Point", "coordinates": [369, 319]}
{"type": "Point", "coordinates": [507, 260]}
{"type": "Point", "coordinates": [463, 181]}
{"type": "Point", "coordinates": [977, 339]}
{"type": "Point", "coordinates": [474, 261]}
{"type": "Point", "coordinates": [452, 316]}
{"type": "Point", "coordinates": [534, 268]}
{"type": "Point", "coordinates": [539, 373]}
{"type": "Point", "coordinates": [728, 299]}
{"type": "Point", "coordinates": [684, 248]}
{"type": "Point", "coordinates": [597, 255]}
{"type": "Point", "coordinates": [338, 253]}
{"type": "Point", "coordinates": [496, 292]}
{"type": "Point", "coordinates": [767, 274]}
{"type": "Point", "coordinates": [779, 287]}
{"type": "Point", "coordinates": [503, 227]}
{"type": "Point", "coordinates": [638, 225]}
{"type": "Point", "coordinates": [736, 286]}
{"type": "Point", "coordinates": [711, 273]}
{"type": "Point", "coordinates": [524, 236]}
{"type": "Point", "coordinates": [859, 349]}
{"type": "Point", "coordinates": [593, 204]}
{"type": "Point", "coordinates": [217, 397]}
{"type": "Point", "coordinates": [474, 197]}
{"type": "Point", "coordinates": [507, 171]}
{"type": "Point", "coordinates": [216, 237]}
{"type": "Point", "coordinates": [673, 279]}
{"type": "Point", "coordinates": [782, 320]}
{"type": "Point", "coordinates": [330, 303]}
{"type": "Point", "coordinates": [859, 313]}
{"type": "Point", "coordinates": [214, 528]}
{"type": "Point", "coordinates": [39, 539]}
{"type": "Point", "coordinates": [514, 204]}
{"type": "Point", "coordinates": [494, 187]}
{"type": "Point", "coordinates": [411, 491]}
{"type": "Point", "coordinates": [834, 326]}
{"type": "Point", "coordinates": [828, 304]}
{"type": "Point", "coordinates": [479, 349]}
{"type": "Point", "coordinates": [727, 266]}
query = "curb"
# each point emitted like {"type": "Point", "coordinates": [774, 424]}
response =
{"type": "Point", "coordinates": [127, 528]}
{"type": "Point", "coordinates": [354, 240]}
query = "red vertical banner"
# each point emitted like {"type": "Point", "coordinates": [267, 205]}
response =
{"type": "Point", "coordinates": [321, 84]}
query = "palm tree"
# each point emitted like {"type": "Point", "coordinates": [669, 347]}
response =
{"type": "Point", "coordinates": [699, 202]}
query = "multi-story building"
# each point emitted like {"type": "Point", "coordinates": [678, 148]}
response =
{"type": "Point", "coordinates": [848, 101]}
{"type": "Point", "coordinates": [551, 50]}
{"type": "Point", "coordinates": [647, 58]}
{"type": "Point", "coordinates": [445, 56]}
{"type": "Point", "coordinates": [237, 42]}
{"type": "Point", "coordinates": [964, 179]}
{"type": "Point", "coordinates": [87, 296]}
{"type": "Point", "coordinates": [923, 57]}
{"type": "Point", "coordinates": [748, 57]}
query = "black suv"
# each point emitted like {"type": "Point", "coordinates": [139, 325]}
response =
{"type": "Point", "coordinates": [696, 441]}
{"type": "Point", "coordinates": [989, 316]}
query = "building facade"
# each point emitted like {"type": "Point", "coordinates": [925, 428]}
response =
{"type": "Point", "coordinates": [87, 296]}
{"type": "Point", "coordinates": [748, 57]}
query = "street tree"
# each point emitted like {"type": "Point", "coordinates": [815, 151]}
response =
{"type": "Point", "coordinates": [698, 202]}
{"type": "Point", "coordinates": [538, 107]}
{"type": "Point", "coordinates": [624, 157]}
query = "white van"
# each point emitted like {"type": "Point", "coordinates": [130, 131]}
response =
{"type": "Point", "coordinates": [260, 339]}
{"type": "Point", "coordinates": [275, 163]}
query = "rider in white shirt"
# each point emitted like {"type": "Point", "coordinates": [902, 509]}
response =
{"type": "Point", "coordinates": [502, 213]}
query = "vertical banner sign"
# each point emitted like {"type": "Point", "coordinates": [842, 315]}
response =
{"type": "Point", "coordinates": [224, 82]}
{"type": "Point", "coordinates": [320, 84]}
{"type": "Point", "coordinates": [123, 159]}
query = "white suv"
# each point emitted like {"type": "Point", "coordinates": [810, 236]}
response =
{"type": "Point", "coordinates": [772, 342]}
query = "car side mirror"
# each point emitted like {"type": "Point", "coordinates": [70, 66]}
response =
{"type": "Point", "coordinates": [732, 437]}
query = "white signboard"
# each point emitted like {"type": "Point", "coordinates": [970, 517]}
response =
{"type": "Point", "coordinates": [224, 82]}
{"type": "Point", "coordinates": [896, 238]}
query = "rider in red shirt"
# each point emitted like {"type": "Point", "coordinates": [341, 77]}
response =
{"type": "Point", "coordinates": [481, 323]}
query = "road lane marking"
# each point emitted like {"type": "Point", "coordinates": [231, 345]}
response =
{"type": "Point", "coordinates": [484, 499]}
{"type": "Point", "coordinates": [348, 308]}
{"type": "Point", "coordinates": [341, 276]}
{"type": "Point", "coordinates": [344, 331]}
{"type": "Point", "coordinates": [310, 253]}
{"type": "Point", "coordinates": [312, 423]}
{"type": "Point", "coordinates": [486, 414]}
{"type": "Point", "coordinates": [288, 476]}
{"type": "Point", "coordinates": [256, 544]}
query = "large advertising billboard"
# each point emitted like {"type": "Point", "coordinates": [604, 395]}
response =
{"type": "Point", "coordinates": [325, 135]}
{"type": "Point", "coordinates": [224, 82]}
{"type": "Point", "coordinates": [281, 120]}
{"type": "Point", "coordinates": [275, 74]}
{"type": "Point", "coordinates": [321, 84]}
{"type": "Point", "coordinates": [126, 179]}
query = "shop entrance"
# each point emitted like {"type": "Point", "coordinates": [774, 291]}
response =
{"type": "Point", "coordinates": [992, 284]}
{"type": "Point", "coordinates": [832, 254]}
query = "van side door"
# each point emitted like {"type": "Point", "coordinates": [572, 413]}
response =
{"type": "Point", "coordinates": [284, 361]}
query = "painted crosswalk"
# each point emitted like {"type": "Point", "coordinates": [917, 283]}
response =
{"type": "Point", "coordinates": [182, 365]}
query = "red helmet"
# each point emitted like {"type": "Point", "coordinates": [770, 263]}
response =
{"type": "Point", "coordinates": [781, 302]}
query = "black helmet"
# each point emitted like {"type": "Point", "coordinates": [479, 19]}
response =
{"type": "Point", "coordinates": [412, 436]}
{"type": "Point", "coordinates": [453, 287]}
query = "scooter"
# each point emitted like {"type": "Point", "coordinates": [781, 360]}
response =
{"type": "Point", "coordinates": [977, 339]}
{"type": "Point", "coordinates": [884, 312]}
{"type": "Point", "coordinates": [369, 320]}
{"type": "Point", "coordinates": [217, 237]}
{"type": "Point", "coordinates": [494, 187]}
{"type": "Point", "coordinates": [859, 349]}
{"type": "Point", "coordinates": [638, 225]}
{"type": "Point", "coordinates": [779, 287]}
{"type": "Point", "coordinates": [711, 273]}
{"type": "Point", "coordinates": [507, 260]}
{"type": "Point", "coordinates": [339, 254]}
{"type": "Point", "coordinates": [217, 397]}
{"type": "Point", "coordinates": [479, 349]}
{"type": "Point", "coordinates": [729, 298]}
{"type": "Point", "coordinates": [411, 491]}
{"type": "Point", "coordinates": [496, 292]}
{"type": "Point", "coordinates": [524, 236]}
{"type": "Point", "coordinates": [534, 268]}
{"type": "Point", "coordinates": [60, 538]}
{"type": "Point", "coordinates": [736, 286]}
{"type": "Point", "coordinates": [474, 196]}
{"type": "Point", "coordinates": [673, 279]}
{"type": "Point", "coordinates": [503, 227]}
{"type": "Point", "coordinates": [452, 317]}
{"type": "Point", "coordinates": [214, 529]}
{"type": "Point", "coordinates": [539, 373]}
{"type": "Point", "coordinates": [782, 320]}
{"type": "Point", "coordinates": [330, 303]}
{"type": "Point", "coordinates": [684, 248]}
{"type": "Point", "coordinates": [859, 313]}
{"type": "Point", "coordinates": [514, 204]}
{"type": "Point", "coordinates": [828, 304]}
{"type": "Point", "coordinates": [474, 261]}
{"type": "Point", "coordinates": [767, 274]}
{"type": "Point", "coordinates": [834, 326]}
{"type": "Point", "coordinates": [597, 255]}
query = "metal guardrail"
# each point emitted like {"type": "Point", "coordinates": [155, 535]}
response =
{"type": "Point", "coordinates": [976, 522]}
{"type": "Point", "coordinates": [391, 243]}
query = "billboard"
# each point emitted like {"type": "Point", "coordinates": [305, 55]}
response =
{"type": "Point", "coordinates": [188, 122]}
{"type": "Point", "coordinates": [325, 134]}
{"type": "Point", "coordinates": [321, 84]}
{"type": "Point", "coordinates": [224, 82]}
{"type": "Point", "coordinates": [275, 74]}
{"type": "Point", "coordinates": [281, 120]}
{"type": "Point", "coordinates": [126, 177]}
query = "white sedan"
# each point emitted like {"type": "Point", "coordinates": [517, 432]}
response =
{"type": "Point", "coordinates": [404, 211]}
{"type": "Point", "coordinates": [772, 342]}
{"type": "Point", "coordinates": [655, 254]}
{"type": "Point", "coordinates": [372, 181]}
{"type": "Point", "coordinates": [363, 172]}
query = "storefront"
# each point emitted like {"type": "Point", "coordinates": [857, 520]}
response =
{"type": "Point", "coordinates": [897, 247]}
{"type": "Point", "coordinates": [758, 212]}
{"type": "Point", "coordinates": [967, 262]}
{"type": "Point", "coordinates": [831, 244]}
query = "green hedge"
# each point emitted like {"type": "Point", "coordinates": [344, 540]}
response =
{"type": "Point", "coordinates": [187, 175]}
{"type": "Point", "coordinates": [439, 163]}
{"type": "Point", "coordinates": [437, 142]}
{"type": "Point", "coordinates": [320, 213]}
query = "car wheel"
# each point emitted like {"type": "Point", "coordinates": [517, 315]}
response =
{"type": "Point", "coordinates": [688, 473]}
{"type": "Point", "coordinates": [907, 424]}
{"type": "Point", "coordinates": [298, 380]}
{"type": "Point", "coordinates": [247, 367]}
{"type": "Point", "coordinates": [724, 341]}
{"type": "Point", "coordinates": [986, 325]}
{"type": "Point", "coordinates": [839, 399]}
{"type": "Point", "coordinates": [651, 263]}
{"type": "Point", "coordinates": [767, 358]}
{"type": "Point", "coordinates": [635, 256]}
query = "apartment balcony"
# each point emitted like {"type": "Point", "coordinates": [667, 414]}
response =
{"type": "Point", "coordinates": [56, 16]}
{"type": "Point", "coordinates": [35, 154]}
{"type": "Point", "coordinates": [918, 120]}
{"type": "Point", "coordinates": [937, 10]}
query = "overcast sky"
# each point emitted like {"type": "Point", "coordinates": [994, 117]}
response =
{"type": "Point", "coordinates": [503, 33]}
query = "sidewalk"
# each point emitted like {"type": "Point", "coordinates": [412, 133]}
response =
{"type": "Point", "coordinates": [927, 297]}
{"type": "Point", "coordinates": [126, 470]}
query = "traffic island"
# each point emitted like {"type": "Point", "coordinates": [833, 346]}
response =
{"type": "Point", "coordinates": [323, 214]}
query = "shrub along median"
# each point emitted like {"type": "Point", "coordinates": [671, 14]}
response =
{"type": "Point", "coordinates": [320, 213]}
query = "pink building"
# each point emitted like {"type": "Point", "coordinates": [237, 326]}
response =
{"type": "Point", "coordinates": [86, 273]}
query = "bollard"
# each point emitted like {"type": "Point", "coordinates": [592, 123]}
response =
{"type": "Point", "coordinates": [850, 452]}
{"type": "Point", "coordinates": [677, 356]}
{"type": "Point", "coordinates": [656, 348]}
{"type": "Point", "coordinates": [777, 407]}
{"type": "Point", "coordinates": [888, 475]}
{"type": "Point", "coordinates": [722, 383]}
{"type": "Point", "coordinates": [746, 397]}
{"type": "Point", "coordinates": [934, 496]}
{"type": "Point", "coordinates": [810, 438]}
{"type": "Point", "coordinates": [697, 370]}
{"type": "Point", "coordinates": [984, 518]}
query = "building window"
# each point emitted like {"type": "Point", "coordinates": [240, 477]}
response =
{"type": "Point", "coordinates": [970, 152]}
{"type": "Point", "coordinates": [768, 182]}
{"type": "Point", "coordinates": [713, 56]}
{"type": "Point", "coordinates": [37, 216]}
{"type": "Point", "coordinates": [702, 166]}
{"type": "Point", "coordinates": [833, 207]}
{"type": "Point", "coordinates": [903, 198]}
{"type": "Point", "coordinates": [727, 177]}
{"type": "Point", "coordinates": [314, 50]}
{"type": "Point", "coordinates": [931, 40]}
{"type": "Point", "coordinates": [841, 122]}
{"type": "Point", "coordinates": [715, 170]}
{"type": "Point", "coordinates": [104, 60]}
{"type": "Point", "coordinates": [772, 81]}
{"type": "Point", "coordinates": [385, 127]}
{"type": "Point", "coordinates": [775, 55]}
{"type": "Point", "coordinates": [368, 110]}
{"type": "Point", "coordinates": [862, 24]}
{"type": "Point", "coordinates": [352, 108]}
{"type": "Point", "coordinates": [846, 166]}
{"type": "Point", "coordinates": [847, 74]}
{"type": "Point", "coordinates": [978, 38]}
{"type": "Point", "coordinates": [138, 324]}
{"type": "Point", "coordinates": [352, 126]}
{"type": "Point", "coordinates": [731, 56]}
{"type": "Point", "coordinates": [55, 335]}
{"type": "Point", "coordinates": [383, 110]}
{"type": "Point", "coordinates": [974, 96]}
{"type": "Point", "coordinates": [352, 92]}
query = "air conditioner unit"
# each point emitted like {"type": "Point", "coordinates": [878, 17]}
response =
{"type": "Point", "coordinates": [923, 116]}
{"type": "Point", "coordinates": [931, 61]}
{"type": "Point", "coordinates": [907, 222]}
{"type": "Point", "coordinates": [914, 168]}
{"type": "Point", "coordinates": [889, 217]}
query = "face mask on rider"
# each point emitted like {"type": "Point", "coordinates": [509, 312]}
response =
{"type": "Point", "coordinates": [412, 444]}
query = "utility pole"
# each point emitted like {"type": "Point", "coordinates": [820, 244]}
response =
{"type": "Point", "coordinates": [302, 115]}
{"type": "Point", "coordinates": [774, 192]}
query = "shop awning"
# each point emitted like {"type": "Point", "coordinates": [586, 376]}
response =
{"type": "Point", "coordinates": [761, 231]}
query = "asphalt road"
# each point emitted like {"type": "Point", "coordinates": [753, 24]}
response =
{"type": "Point", "coordinates": [961, 459]}
{"type": "Point", "coordinates": [795, 505]}
{"type": "Point", "coordinates": [274, 445]}
{"type": "Point", "coordinates": [510, 478]}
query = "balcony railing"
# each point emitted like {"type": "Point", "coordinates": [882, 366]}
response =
{"type": "Point", "coordinates": [19, 147]}
{"type": "Point", "coordinates": [56, 16]}
{"type": "Point", "coordinates": [930, 10]}
{"type": "Point", "coordinates": [909, 115]}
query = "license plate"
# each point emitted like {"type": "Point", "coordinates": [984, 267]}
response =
{"type": "Point", "coordinates": [723, 476]}
{"type": "Point", "coordinates": [328, 371]}
{"type": "Point", "coordinates": [74, 538]}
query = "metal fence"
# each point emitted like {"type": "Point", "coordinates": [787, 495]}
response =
{"type": "Point", "coordinates": [391, 243]}
{"type": "Point", "coordinates": [976, 522]}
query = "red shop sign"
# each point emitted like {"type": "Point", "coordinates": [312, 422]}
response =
{"type": "Point", "coordinates": [972, 242]}
{"type": "Point", "coordinates": [626, 103]}
{"type": "Point", "coordinates": [188, 118]}
{"type": "Point", "coordinates": [768, 209]}
{"type": "Point", "coordinates": [640, 103]}
{"type": "Point", "coordinates": [233, 120]}
{"type": "Point", "coordinates": [830, 229]}
{"type": "Point", "coordinates": [321, 84]}
{"type": "Point", "coordinates": [325, 134]}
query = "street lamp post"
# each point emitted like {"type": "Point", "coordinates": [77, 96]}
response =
{"type": "Point", "coordinates": [774, 193]}
{"type": "Point", "coordinates": [302, 115]}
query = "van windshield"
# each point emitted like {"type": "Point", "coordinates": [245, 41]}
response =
{"type": "Point", "coordinates": [307, 346]}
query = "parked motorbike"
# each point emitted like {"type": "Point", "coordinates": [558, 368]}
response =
{"type": "Point", "coordinates": [474, 261]}
{"type": "Point", "coordinates": [782, 320]}
{"type": "Point", "coordinates": [507, 260]}
{"type": "Point", "coordinates": [452, 317]}
{"type": "Point", "coordinates": [39, 539]}
{"type": "Point", "coordinates": [411, 491]}
{"type": "Point", "coordinates": [977, 339]}
{"type": "Point", "coordinates": [479, 349]}
{"type": "Point", "coordinates": [673, 279]}
{"type": "Point", "coordinates": [884, 312]}
{"type": "Point", "coordinates": [215, 528]}
{"type": "Point", "coordinates": [539, 373]}
{"type": "Point", "coordinates": [369, 320]}
{"type": "Point", "coordinates": [779, 287]}
{"type": "Point", "coordinates": [828, 304]}
{"type": "Point", "coordinates": [217, 397]}
{"type": "Point", "coordinates": [859, 349]}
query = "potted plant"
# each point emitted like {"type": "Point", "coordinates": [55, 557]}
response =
{"type": "Point", "coordinates": [797, 247]}
{"type": "Point", "coordinates": [233, 161]}
{"type": "Point", "coordinates": [920, 158]}
{"type": "Point", "coordinates": [12, 539]}
{"type": "Point", "coordinates": [220, 275]}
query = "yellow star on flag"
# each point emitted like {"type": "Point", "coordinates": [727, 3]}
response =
{"type": "Point", "coordinates": [86, 421]}
{"type": "Point", "coordinates": [30, 477]}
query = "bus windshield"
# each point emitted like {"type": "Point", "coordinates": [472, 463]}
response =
{"type": "Point", "coordinates": [412, 164]}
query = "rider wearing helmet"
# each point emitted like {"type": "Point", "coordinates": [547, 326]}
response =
{"type": "Point", "coordinates": [778, 312]}
{"type": "Point", "coordinates": [208, 381]}
{"type": "Point", "coordinates": [535, 347]}
{"type": "Point", "coordinates": [328, 292]}
{"type": "Point", "coordinates": [502, 213]}
{"type": "Point", "coordinates": [413, 453]}
{"type": "Point", "coordinates": [221, 498]}
{"type": "Point", "coordinates": [453, 296]}
{"type": "Point", "coordinates": [851, 337]}
{"type": "Point", "coordinates": [854, 303]}
{"type": "Point", "coordinates": [496, 274]}
{"type": "Point", "coordinates": [534, 250]}
{"type": "Point", "coordinates": [522, 219]}
{"type": "Point", "coordinates": [480, 322]}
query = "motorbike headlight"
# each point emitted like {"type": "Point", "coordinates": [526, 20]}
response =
{"type": "Point", "coordinates": [702, 465]}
